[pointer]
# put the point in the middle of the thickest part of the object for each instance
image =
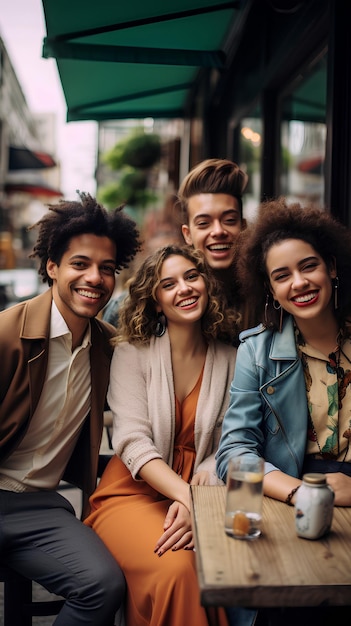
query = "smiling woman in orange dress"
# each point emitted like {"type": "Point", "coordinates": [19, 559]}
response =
{"type": "Point", "coordinates": [169, 389]}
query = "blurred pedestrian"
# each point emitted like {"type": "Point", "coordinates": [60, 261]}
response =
{"type": "Point", "coordinates": [3, 297]}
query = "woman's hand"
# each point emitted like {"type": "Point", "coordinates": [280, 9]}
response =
{"type": "Point", "coordinates": [201, 478]}
{"type": "Point", "coordinates": [341, 485]}
{"type": "Point", "coordinates": [178, 533]}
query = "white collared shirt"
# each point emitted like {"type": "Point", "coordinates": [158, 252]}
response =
{"type": "Point", "coordinates": [41, 458]}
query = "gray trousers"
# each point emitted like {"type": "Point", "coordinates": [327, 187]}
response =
{"type": "Point", "coordinates": [41, 538]}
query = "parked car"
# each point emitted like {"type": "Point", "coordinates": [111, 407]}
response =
{"type": "Point", "coordinates": [17, 285]}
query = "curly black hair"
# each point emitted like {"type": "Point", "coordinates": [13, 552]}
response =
{"type": "Point", "coordinates": [68, 219]}
{"type": "Point", "coordinates": [277, 221]}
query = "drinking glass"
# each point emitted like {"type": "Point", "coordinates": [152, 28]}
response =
{"type": "Point", "coordinates": [243, 510]}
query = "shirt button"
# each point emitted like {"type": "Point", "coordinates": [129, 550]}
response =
{"type": "Point", "coordinates": [270, 390]}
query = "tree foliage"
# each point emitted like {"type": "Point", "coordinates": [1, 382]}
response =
{"type": "Point", "coordinates": [131, 189]}
{"type": "Point", "coordinates": [131, 159]}
{"type": "Point", "coordinates": [138, 150]}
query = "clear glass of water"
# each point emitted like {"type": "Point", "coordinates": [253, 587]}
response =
{"type": "Point", "coordinates": [243, 510]}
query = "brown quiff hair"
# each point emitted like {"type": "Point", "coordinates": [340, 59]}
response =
{"type": "Point", "coordinates": [277, 221]}
{"type": "Point", "coordinates": [212, 176]}
{"type": "Point", "coordinates": [138, 315]}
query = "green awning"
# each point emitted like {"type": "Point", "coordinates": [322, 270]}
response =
{"type": "Point", "coordinates": [136, 59]}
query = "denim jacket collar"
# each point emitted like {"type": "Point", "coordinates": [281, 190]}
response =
{"type": "Point", "coordinates": [283, 344]}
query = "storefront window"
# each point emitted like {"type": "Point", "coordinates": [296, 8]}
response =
{"type": "Point", "coordinates": [303, 138]}
{"type": "Point", "coordinates": [250, 151]}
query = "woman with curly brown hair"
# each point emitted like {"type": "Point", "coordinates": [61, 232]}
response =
{"type": "Point", "coordinates": [169, 389]}
{"type": "Point", "coordinates": [291, 394]}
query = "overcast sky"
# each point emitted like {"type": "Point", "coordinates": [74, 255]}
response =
{"type": "Point", "coordinates": [22, 28]}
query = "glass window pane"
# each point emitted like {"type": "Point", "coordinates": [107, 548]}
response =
{"type": "Point", "coordinates": [303, 138]}
{"type": "Point", "coordinates": [250, 151]}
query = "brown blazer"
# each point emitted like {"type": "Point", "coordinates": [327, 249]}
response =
{"type": "Point", "coordinates": [24, 338]}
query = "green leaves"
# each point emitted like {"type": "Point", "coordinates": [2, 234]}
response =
{"type": "Point", "coordinates": [139, 150]}
{"type": "Point", "coordinates": [131, 159]}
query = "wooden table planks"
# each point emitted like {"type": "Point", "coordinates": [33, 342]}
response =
{"type": "Point", "coordinates": [277, 569]}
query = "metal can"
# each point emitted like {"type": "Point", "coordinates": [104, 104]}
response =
{"type": "Point", "coordinates": [314, 504]}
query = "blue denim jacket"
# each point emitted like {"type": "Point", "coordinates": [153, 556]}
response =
{"type": "Point", "coordinates": [267, 413]}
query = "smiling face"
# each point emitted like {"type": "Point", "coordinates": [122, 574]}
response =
{"type": "Point", "coordinates": [214, 223]}
{"type": "Point", "coordinates": [181, 294]}
{"type": "Point", "coordinates": [300, 280]}
{"type": "Point", "coordinates": [84, 280]}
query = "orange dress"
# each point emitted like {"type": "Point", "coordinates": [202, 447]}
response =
{"type": "Point", "coordinates": [128, 515]}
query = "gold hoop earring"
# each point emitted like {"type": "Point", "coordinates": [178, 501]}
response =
{"type": "Point", "coordinates": [279, 308]}
{"type": "Point", "coordinates": [266, 320]}
{"type": "Point", "coordinates": [336, 287]}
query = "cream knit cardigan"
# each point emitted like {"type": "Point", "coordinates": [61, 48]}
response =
{"type": "Point", "coordinates": [141, 398]}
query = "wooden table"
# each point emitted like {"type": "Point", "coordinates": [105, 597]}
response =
{"type": "Point", "coordinates": [277, 569]}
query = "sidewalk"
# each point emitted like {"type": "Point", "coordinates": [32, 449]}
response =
{"type": "Point", "coordinates": [40, 594]}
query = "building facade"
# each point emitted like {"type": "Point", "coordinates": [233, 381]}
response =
{"type": "Point", "coordinates": [29, 175]}
{"type": "Point", "coordinates": [282, 107]}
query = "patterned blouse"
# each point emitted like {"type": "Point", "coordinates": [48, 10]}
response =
{"type": "Point", "coordinates": [328, 387]}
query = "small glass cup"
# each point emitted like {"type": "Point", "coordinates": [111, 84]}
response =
{"type": "Point", "coordinates": [243, 509]}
